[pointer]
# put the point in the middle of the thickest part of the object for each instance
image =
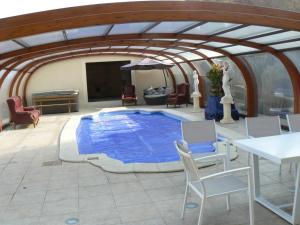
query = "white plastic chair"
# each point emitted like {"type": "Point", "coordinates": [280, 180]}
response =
{"type": "Point", "coordinates": [219, 184]}
{"type": "Point", "coordinates": [293, 121]}
{"type": "Point", "coordinates": [262, 127]}
{"type": "Point", "coordinates": [194, 132]}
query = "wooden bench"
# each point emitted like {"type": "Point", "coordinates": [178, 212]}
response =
{"type": "Point", "coordinates": [55, 101]}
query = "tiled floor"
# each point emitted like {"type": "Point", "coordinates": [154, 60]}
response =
{"type": "Point", "coordinates": [37, 189]}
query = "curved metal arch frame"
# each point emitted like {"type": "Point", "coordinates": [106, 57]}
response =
{"type": "Point", "coordinates": [62, 19]}
{"type": "Point", "coordinates": [243, 70]}
{"type": "Point", "coordinates": [149, 51]}
{"type": "Point", "coordinates": [238, 13]}
{"type": "Point", "coordinates": [250, 112]}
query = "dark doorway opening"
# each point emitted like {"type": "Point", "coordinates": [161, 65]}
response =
{"type": "Point", "coordinates": [105, 80]}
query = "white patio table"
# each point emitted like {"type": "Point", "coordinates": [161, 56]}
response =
{"type": "Point", "coordinates": [279, 149]}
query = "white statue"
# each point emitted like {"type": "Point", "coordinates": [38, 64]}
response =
{"type": "Point", "coordinates": [226, 100]}
{"type": "Point", "coordinates": [225, 80]}
{"type": "Point", "coordinates": [196, 94]}
{"type": "Point", "coordinates": [196, 82]}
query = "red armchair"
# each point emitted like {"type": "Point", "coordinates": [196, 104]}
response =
{"type": "Point", "coordinates": [128, 95]}
{"type": "Point", "coordinates": [181, 96]}
{"type": "Point", "coordinates": [20, 114]}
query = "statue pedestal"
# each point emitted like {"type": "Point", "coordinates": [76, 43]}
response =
{"type": "Point", "coordinates": [227, 101]}
{"type": "Point", "coordinates": [196, 96]}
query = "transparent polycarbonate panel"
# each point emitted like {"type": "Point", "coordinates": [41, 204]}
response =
{"type": "Point", "coordinates": [249, 31]}
{"type": "Point", "coordinates": [4, 94]}
{"type": "Point", "coordinates": [128, 28]}
{"type": "Point", "coordinates": [80, 50]}
{"type": "Point", "coordinates": [119, 46]}
{"type": "Point", "coordinates": [209, 53]}
{"type": "Point", "coordinates": [294, 44]}
{"type": "Point", "coordinates": [178, 74]}
{"type": "Point", "coordinates": [22, 65]}
{"type": "Point", "coordinates": [172, 50]}
{"type": "Point", "coordinates": [187, 47]}
{"type": "Point", "coordinates": [170, 56]}
{"type": "Point", "coordinates": [178, 59]}
{"type": "Point", "coordinates": [217, 44]}
{"type": "Point", "coordinates": [43, 38]}
{"type": "Point", "coordinates": [150, 55]}
{"type": "Point", "coordinates": [192, 41]}
{"type": "Point", "coordinates": [190, 56]}
{"type": "Point", "coordinates": [164, 39]}
{"type": "Point", "coordinates": [168, 61]}
{"type": "Point", "coordinates": [136, 53]}
{"type": "Point", "coordinates": [203, 68]}
{"type": "Point", "coordinates": [8, 46]}
{"type": "Point", "coordinates": [275, 92]}
{"type": "Point", "coordinates": [86, 32]}
{"type": "Point", "coordinates": [161, 58]}
{"type": "Point", "coordinates": [99, 48]}
{"type": "Point", "coordinates": [295, 57]}
{"type": "Point", "coordinates": [237, 85]}
{"type": "Point", "coordinates": [211, 28]}
{"type": "Point", "coordinates": [171, 27]}
{"type": "Point", "coordinates": [189, 71]}
{"type": "Point", "coordinates": [138, 47]}
{"type": "Point", "coordinates": [156, 48]}
{"type": "Point", "coordinates": [239, 49]}
{"type": "Point", "coordinates": [288, 35]}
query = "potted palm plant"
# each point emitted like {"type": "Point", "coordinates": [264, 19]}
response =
{"type": "Point", "coordinates": [215, 78]}
{"type": "Point", "coordinates": [214, 109]}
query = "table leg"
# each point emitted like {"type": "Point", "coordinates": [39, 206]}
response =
{"type": "Point", "coordinates": [255, 172]}
{"type": "Point", "coordinates": [296, 209]}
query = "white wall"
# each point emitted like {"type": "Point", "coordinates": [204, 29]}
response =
{"type": "Point", "coordinates": [71, 74]}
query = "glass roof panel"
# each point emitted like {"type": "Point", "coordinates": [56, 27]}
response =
{"type": "Point", "coordinates": [118, 46]}
{"type": "Point", "coordinates": [288, 35]}
{"type": "Point", "coordinates": [294, 44]}
{"type": "Point", "coordinates": [239, 49]}
{"type": "Point", "coordinates": [156, 48]}
{"type": "Point", "coordinates": [173, 50]}
{"type": "Point", "coordinates": [187, 47]}
{"type": "Point", "coordinates": [170, 56]}
{"type": "Point", "coordinates": [217, 44]}
{"type": "Point", "coordinates": [148, 54]}
{"type": "Point", "coordinates": [161, 58]}
{"type": "Point", "coordinates": [164, 39]}
{"type": "Point", "coordinates": [8, 46]}
{"type": "Point", "coordinates": [20, 66]}
{"type": "Point", "coordinates": [171, 27]}
{"type": "Point", "coordinates": [249, 31]}
{"type": "Point", "coordinates": [128, 28]}
{"type": "Point", "coordinates": [209, 53]}
{"type": "Point", "coordinates": [177, 60]}
{"type": "Point", "coordinates": [191, 41]}
{"type": "Point", "coordinates": [79, 50]}
{"type": "Point", "coordinates": [86, 32]}
{"type": "Point", "coordinates": [190, 56]}
{"type": "Point", "coordinates": [98, 48]}
{"type": "Point", "coordinates": [138, 47]}
{"type": "Point", "coordinates": [211, 27]}
{"type": "Point", "coordinates": [168, 61]}
{"type": "Point", "coordinates": [45, 38]}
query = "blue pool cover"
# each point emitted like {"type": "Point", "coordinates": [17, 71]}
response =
{"type": "Point", "coordinates": [133, 136]}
